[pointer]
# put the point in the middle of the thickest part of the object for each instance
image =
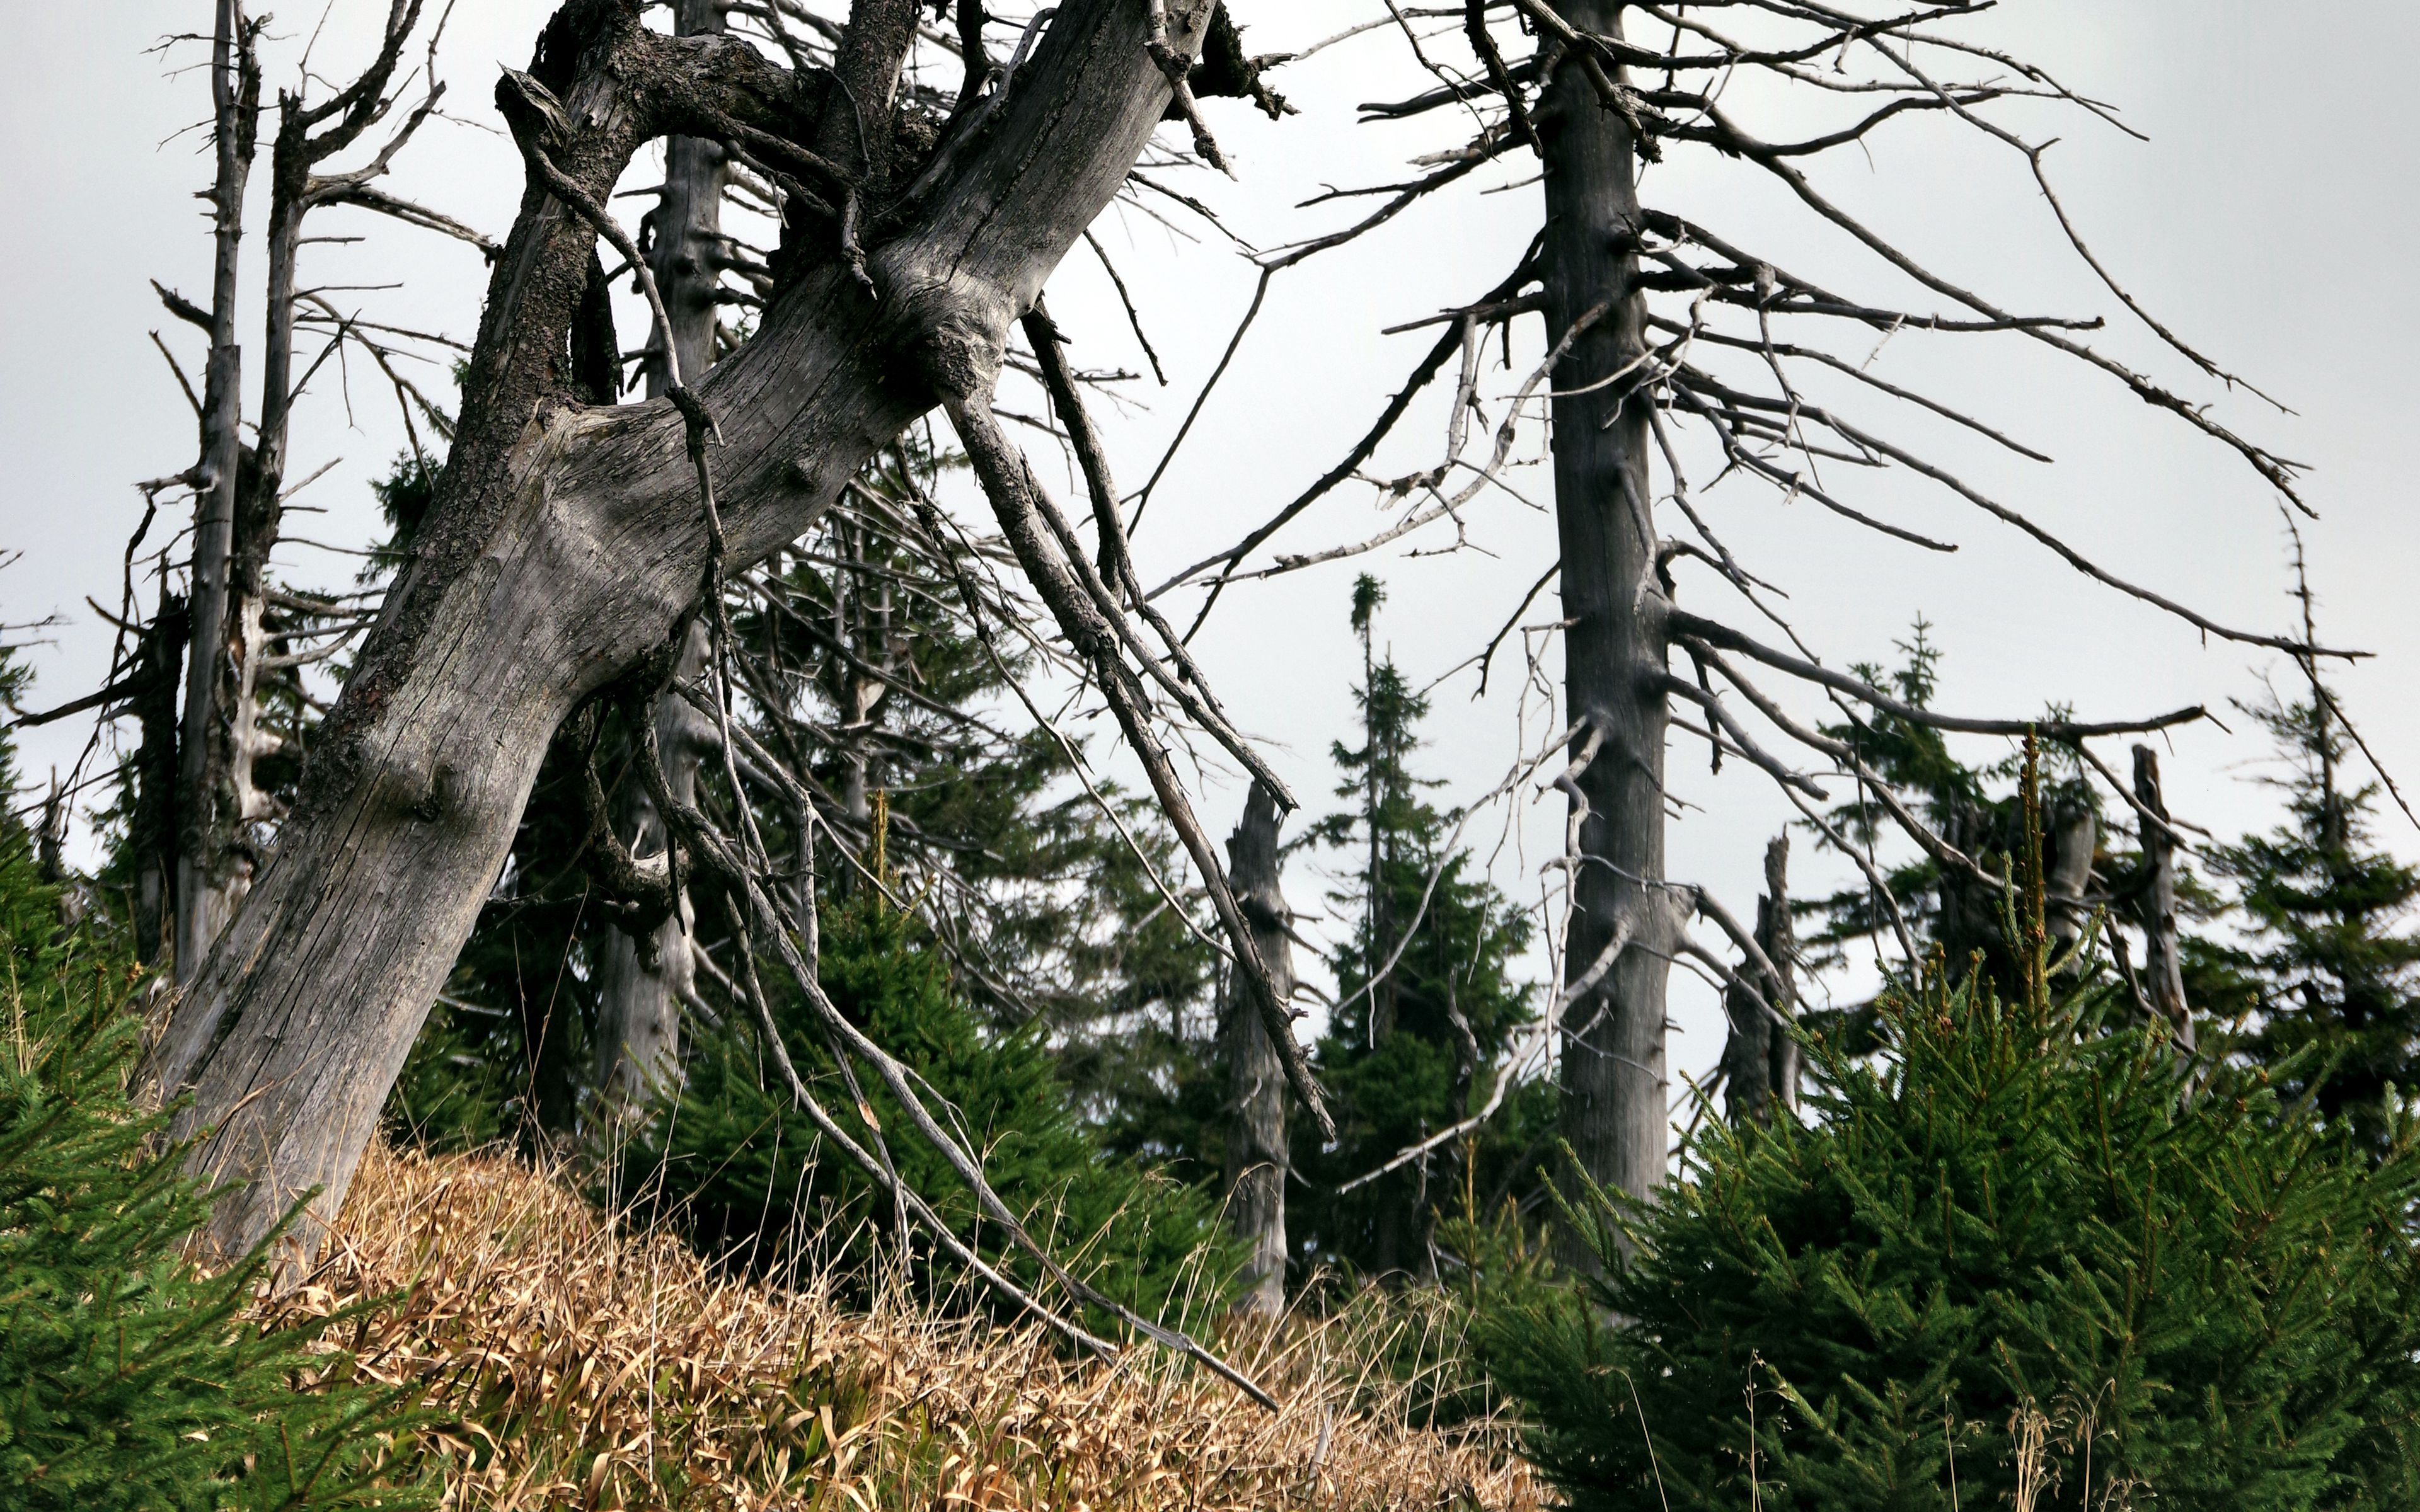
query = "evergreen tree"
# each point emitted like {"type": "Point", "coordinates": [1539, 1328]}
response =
{"type": "Point", "coordinates": [2333, 961]}
{"type": "Point", "coordinates": [733, 1162]}
{"type": "Point", "coordinates": [128, 1379]}
{"type": "Point", "coordinates": [1976, 808]}
{"type": "Point", "coordinates": [1416, 1039]}
{"type": "Point", "coordinates": [2024, 1243]}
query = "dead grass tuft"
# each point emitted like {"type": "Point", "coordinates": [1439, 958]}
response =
{"type": "Point", "coordinates": [584, 1365]}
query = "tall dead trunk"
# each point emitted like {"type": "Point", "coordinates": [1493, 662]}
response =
{"type": "Point", "coordinates": [568, 541]}
{"type": "Point", "coordinates": [2163, 979]}
{"type": "Point", "coordinates": [240, 489]}
{"type": "Point", "coordinates": [1256, 1087]}
{"type": "Point", "coordinates": [1614, 640]}
{"type": "Point", "coordinates": [641, 984]}
{"type": "Point", "coordinates": [212, 868]}
{"type": "Point", "coordinates": [687, 253]}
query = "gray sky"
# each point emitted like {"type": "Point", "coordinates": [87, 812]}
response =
{"type": "Point", "coordinates": [2265, 220]}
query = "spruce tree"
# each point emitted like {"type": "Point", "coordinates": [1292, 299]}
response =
{"type": "Point", "coordinates": [1427, 1005]}
{"type": "Point", "coordinates": [2334, 958]}
{"type": "Point", "coordinates": [128, 1379]}
{"type": "Point", "coordinates": [2023, 1244]}
{"type": "Point", "coordinates": [730, 1160]}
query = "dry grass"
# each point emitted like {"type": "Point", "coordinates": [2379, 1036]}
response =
{"type": "Point", "coordinates": [583, 1366]}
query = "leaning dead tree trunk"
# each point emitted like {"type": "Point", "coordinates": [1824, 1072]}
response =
{"type": "Point", "coordinates": [1613, 1076]}
{"type": "Point", "coordinates": [2163, 979]}
{"type": "Point", "coordinates": [567, 542]}
{"type": "Point", "coordinates": [1256, 1138]}
{"type": "Point", "coordinates": [643, 983]}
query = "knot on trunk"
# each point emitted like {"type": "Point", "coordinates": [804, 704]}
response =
{"type": "Point", "coordinates": [950, 329]}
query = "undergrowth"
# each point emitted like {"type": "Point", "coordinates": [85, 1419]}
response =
{"type": "Point", "coordinates": [587, 1363]}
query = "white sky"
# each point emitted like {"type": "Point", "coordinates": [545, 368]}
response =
{"type": "Point", "coordinates": [2268, 221]}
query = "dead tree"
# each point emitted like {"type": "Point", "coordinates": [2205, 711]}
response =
{"type": "Point", "coordinates": [1669, 347]}
{"type": "Point", "coordinates": [211, 876]}
{"type": "Point", "coordinates": [2074, 843]}
{"type": "Point", "coordinates": [1615, 640]}
{"type": "Point", "coordinates": [240, 489]}
{"type": "Point", "coordinates": [570, 543]}
{"type": "Point", "coordinates": [1257, 1161]}
{"type": "Point", "coordinates": [643, 983]}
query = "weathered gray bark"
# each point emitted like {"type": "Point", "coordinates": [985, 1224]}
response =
{"type": "Point", "coordinates": [1613, 1076]}
{"type": "Point", "coordinates": [2163, 979]}
{"type": "Point", "coordinates": [687, 252]}
{"type": "Point", "coordinates": [211, 871]}
{"type": "Point", "coordinates": [1256, 1086]}
{"type": "Point", "coordinates": [640, 988]}
{"type": "Point", "coordinates": [567, 542]}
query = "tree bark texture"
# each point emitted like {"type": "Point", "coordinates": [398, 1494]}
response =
{"type": "Point", "coordinates": [568, 541]}
{"type": "Point", "coordinates": [1256, 1084]}
{"type": "Point", "coordinates": [640, 986]}
{"type": "Point", "coordinates": [151, 829]}
{"type": "Point", "coordinates": [1614, 641]}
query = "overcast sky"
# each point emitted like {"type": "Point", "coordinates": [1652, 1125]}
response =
{"type": "Point", "coordinates": [2268, 220]}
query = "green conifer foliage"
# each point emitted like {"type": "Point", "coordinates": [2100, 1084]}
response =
{"type": "Point", "coordinates": [1413, 1050]}
{"type": "Point", "coordinates": [731, 1160]}
{"type": "Point", "coordinates": [1977, 808]}
{"type": "Point", "coordinates": [127, 1380]}
{"type": "Point", "coordinates": [2023, 1222]}
{"type": "Point", "coordinates": [2333, 961]}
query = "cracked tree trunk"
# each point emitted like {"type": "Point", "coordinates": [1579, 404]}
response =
{"type": "Point", "coordinates": [568, 541]}
{"type": "Point", "coordinates": [1256, 1084]}
{"type": "Point", "coordinates": [1614, 641]}
{"type": "Point", "coordinates": [641, 987]}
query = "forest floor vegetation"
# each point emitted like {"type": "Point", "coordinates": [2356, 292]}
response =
{"type": "Point", "coordinates": [577, 1362]}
